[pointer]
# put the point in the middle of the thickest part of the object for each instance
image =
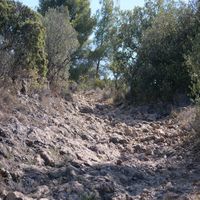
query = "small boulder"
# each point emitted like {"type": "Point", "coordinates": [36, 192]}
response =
{"type": "Point", "coordinates": [2, 133]}
{"type": "Point", "coordinates": [128, 131]}
{"type": "Point", "coordinates": [5, 174]}
{"type": "Point", "coordinates": [4, 151]}
{"type": "Point", "coordinates": [118, 139]}
{"type": "Point", "coordinates": [119, 162]}
{"type": "Point", "coordinates": [106, 187]}
{"type": "Point", "coordinates": [170, 196]}
{"type": "Point", "coordinates": [169, 186]}
{"type": "Point", "coordinates": [139, 148]}
{"type": "Point", "coordinates": [159, 140]}
{"type": "Point", "coordinates": [86, 109]}
{"type": "Point", "coordinates": [3, 193]}
{"type": "Point", "coordinates": [47, 158]}
{"type": "Point", "coordinates": [39, 161]}
{"type": "Point", "coordinates": [148, 138]}
{"type": "Point", "coordinates": [41, 192]}
{"type": "Point", "coordinates": [145, 130]}
{"type": "Point", "coordinates": [24, 88]}
{"type": "Point", "coordinates": [160, 132]}
{"type": "Point", "coordinates": [155, 126]}
{"type": "Point", "coordinates": [17, 196]}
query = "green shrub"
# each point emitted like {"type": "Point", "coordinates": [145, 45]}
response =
{"type": "Point", "coordinates": [193, 64]}
{"type": "Point", "coordinates": [22, 41]}
{"type": "Point", "coordinates": [99, 83]}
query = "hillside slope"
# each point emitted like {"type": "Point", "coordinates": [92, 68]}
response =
{"type": "Point", "coordinates": [88, 149]}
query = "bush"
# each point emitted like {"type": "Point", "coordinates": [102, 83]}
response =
{"type": "Point", "coordinates": [193, 64]}
{"type": "Point", "coordinates": [22, 43]}
{"type": "Point", "coordinates": [162, 72]}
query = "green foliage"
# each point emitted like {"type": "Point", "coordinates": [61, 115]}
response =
{"type": "Point", "coordinates": [149, 47]}
{"type": "Point", "coordinates": [82, 21]}
{"type": "Point", "coordinates": [125, 40]}
{"type": "Point", "coordinates": [145, 48]}
{"type": "Point", "coordinates": [162, 72]}
{"type": "Point", "coordinates": [79, 13]}
{"type": "Point", "coordinates": [192, 58]}
{"type": "Point", "coordinates": [61, 43]}
{"type": "Point", "coordinates": [105, 19]}
{"type": "Point", "coordinates": [22, 40]}
{"type": "Point", "coordinates": [87, 83]}
{"type": "Point", "coordinates": [99, 83]}
{"type": "Point", "coordinates": [193, 64]}
{"type": "Point", "coordinates": [82, 62]}
{"type": "Point", "coordinates": [150, 51]}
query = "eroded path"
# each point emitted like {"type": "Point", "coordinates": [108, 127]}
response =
{"type": "Point", "coordinates": [87, 149]}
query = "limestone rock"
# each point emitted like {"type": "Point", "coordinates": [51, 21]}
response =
{"type": "Point", "coordinates": [86, 110]}
{"type": "Point", "coordinates": [118, 140]}
{"type": "Point", "coordinates": [106, 187]}
{"type": "Point", "coordinates": [129, 131]}
{"type": "Point", "coordinates": [47, 158]}
{"type": "Point", "coordinates": [170, 196]}
{"type": "Point", "coordinates": [42, 191]}
{"type": "Point", "coordinates": [5, 174]}
{"type": "Point", "coordinates": [3, 133]}
{"type": "Point", "coordinates": [17, 196]}
{"type": "Point", "coordinates": [89, 148]}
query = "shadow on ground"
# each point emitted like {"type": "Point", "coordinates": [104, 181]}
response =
{"type": "Point", "coordinates": [106, 181]}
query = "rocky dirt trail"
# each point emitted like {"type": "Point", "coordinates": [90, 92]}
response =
{"type": "Point", "coordinates": [87, 149]}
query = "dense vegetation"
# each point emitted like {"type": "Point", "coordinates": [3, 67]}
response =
{"type": "Point", "coordinates": [151, 53]}
{"type": "Point", "coordinates": [22, 41]}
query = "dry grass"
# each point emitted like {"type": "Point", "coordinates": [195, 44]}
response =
{"type": "Point", "coordinates": [196, 127]}
{"type": "Point", "coordinates": [185, 117]}
{"type": "Point", "coordinates": [7, 100]}
{"type": "Point", "coordinates": [189, 120]}
{"type": "Point", "coordinates": [196, 121]}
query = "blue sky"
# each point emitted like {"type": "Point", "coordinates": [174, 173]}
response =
{"type": "Point", "coordinates": [125, 4]}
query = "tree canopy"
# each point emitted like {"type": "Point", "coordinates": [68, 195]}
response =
{"type": "Point", "coordinates": [60, 45]}
{"type": "Point", "coordinates": [152, 51]}
{"type": "Point", "coordinates": [22, 40]}
{"type": "Point", "coordinates": [79, 15]}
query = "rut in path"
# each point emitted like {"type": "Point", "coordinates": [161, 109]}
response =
{"type": "Point", "coordinates": [89, 149]}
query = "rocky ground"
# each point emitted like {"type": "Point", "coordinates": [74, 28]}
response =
{"type": "Point", "coordinates": [87, 149]}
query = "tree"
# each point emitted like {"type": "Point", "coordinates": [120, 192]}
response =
{"type": "Point", "coordinates": [79, 15]}
{"type": "Point", "coordinates": [61, 43]}
{"type": "Point", "coordinates": [22, 41]}
{"type": "Point", "coordinates": [129, 34]}
{"type": "Point", "coordinates": [149, 45]}
{"type": "Point", "coordinates": [105, 20]}
{"type": "Point", "coordinates": [162, 73]}
{"type": "Point", "coordinates": [82, 21]}
{"type": "Point", "coordinates": [194, 67]}
{"type": "Point", "coordinates": [125, 39]}
{"type": "Point", "coordinates": [192, 58]}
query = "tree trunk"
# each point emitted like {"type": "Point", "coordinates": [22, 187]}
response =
{"type": "Point", "coordinates": [97, 69]}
